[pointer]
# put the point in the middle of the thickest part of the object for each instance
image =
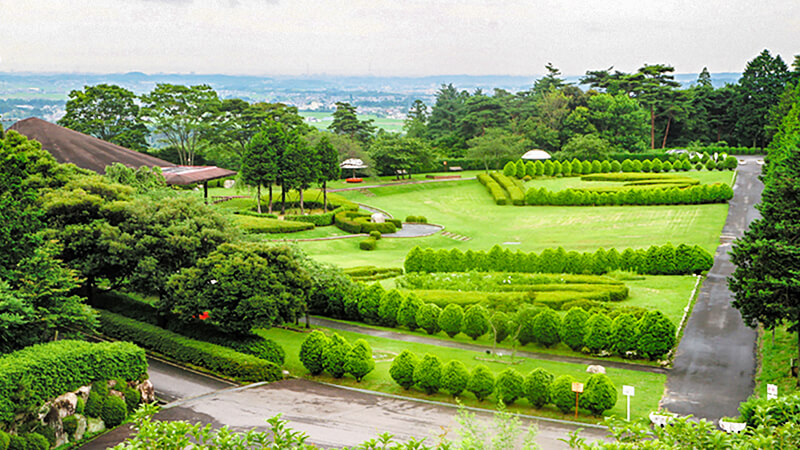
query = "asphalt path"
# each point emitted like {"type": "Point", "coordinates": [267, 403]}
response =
{"type": "Point", "coordinates": [715, 363]}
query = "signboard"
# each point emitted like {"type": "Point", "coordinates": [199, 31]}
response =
{"type": "Point", "coordinates": [772, 391]}
{"type": "Point", "coordinates": [577, 387]}
{"type": "Point", "coordinates": [628, 390]}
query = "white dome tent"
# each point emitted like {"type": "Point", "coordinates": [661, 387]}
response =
{"type": "Point", "coordinates": [535, 154]}
{"type": "Point", "coordinates": [352, 164]}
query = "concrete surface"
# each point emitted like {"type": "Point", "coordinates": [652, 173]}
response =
{"type": "Point", "coordinates": [715, 362]}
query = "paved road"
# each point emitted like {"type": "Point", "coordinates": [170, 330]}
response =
{"type": "Point", "coordinates": [398, 336]}
{"type": "Point", "coordinates": [715, 362]}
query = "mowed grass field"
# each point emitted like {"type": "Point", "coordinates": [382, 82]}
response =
{"type": "Point", "coordinates": [326, 118]}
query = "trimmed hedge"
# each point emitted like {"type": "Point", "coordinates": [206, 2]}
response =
{"type": "Point", "coordinates": [495, 190]}
{"type": "Point", "coordinates": [54, 368]}
{"type": "Point", "coordinates": [368, 244]}
{"type": "Point", "coordinates": [253, 225]}
{"type": "Point", "coordinates": [320, 220]}
{"type": "Point", "coordinates": [372, 273]}
{"type": "Point", "coordinates": [417, 219]}
{"type": "Point", "coordinates": [357, 222]}
{"type": "Point", "coordinates": [514, 191]}
{"type": "Point", "coordinates": [210, 356]}
{"type": "Point", "coordinates": [656, 260]}
{"type": "Point", "coordinates": [634, 195]}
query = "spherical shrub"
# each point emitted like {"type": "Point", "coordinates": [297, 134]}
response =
{"type": "Point", "coordinates": [561, 393]}
{"type": "Point", "coordinates": [336, 355]}
{"type": "Point", "coordinates": [481, 382]}
{"type": "Point", "coordinates": [428, 374]}
{"type": "Point", "coordinates": [113, 412]}
{"type": "Point", "coordinates": [598, 333]}
{"type": "Point", "coordinates": [132, 398]}
{"type": "Point", "coordinates": [370, 303]}
{"type": "Point", "coordinates": [451, 319]}
{"type": "Point", "coordinates": [402, 369]}
{"type": "Point", "coordinates": [369, 243]}
{"type": "Point", "coordinates": [454, 378]}
{"type": "Point", "coordinates": [524, 320]}
{"type": "Point", "coordinates": [624, 334]}
{"type": "Point", "coordinates": [312, 352]}
{"type": "Point", "coordinates": [407, 314]}
{"type": "Point", "coordinates": [599, 394]}
{"type": "Point", "coordinates": [359, 360]}
{"type": "Point", "coordinates": [573, 327]}
{"type": "Point", "coordinates": [537, 387]}
{"type": "Point", "coordinates": [70, 424]}
{"type": "Point", "coordinates": [656, 335]}
{"type": "Point", "coordinates": [500, 325]}
{"type": "Point", "coordinates": [17, 442]}
{"type": "Point", "coordinates": [510, 386]}
{"type": "Point", "coordinates": [390, 304]}
{"type": "Point", "coordinates": [428, 318]}
{"type": "Point", "coordinates": [545, 327]}
{"type": "Point", "coordinates": [101, 387]}
{"type": "Point", "coordinates": [94, 404]}
{"type": "Point", "coordinates": [375, 234]}
{"type": "Point", "coordinates": [476, 321]}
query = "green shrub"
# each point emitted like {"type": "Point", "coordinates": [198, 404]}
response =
{"type": "Point", "coordinates": [369, 306]}
{"type": "Point", "coordinates": [514, 191]}
{"type": "Point", "coordinates": [537, 387]}
{"type": "Point", "coordinates": [402, 369]}
{"type": "Point", "coordinates": [375, 234]}
{"type": "Point", "coordinates": [656, 335]}
{"type": "Point", "coordinates": [51, 369]}
{"type": "Point", "coordinates": [4, 437]}
{"type": "Point", "coordinates": [80, 407]}
{"type": "Point", "coordinates": [250, 224]}
{"type": "Point", "coordinates": [359, 361]}
{"type": "Point", "coordinates": [451, 319]}
{"type": "Point", "coordinates": [495, 190]}
{"type": "Point", "coordinates": [259, 347]}
{"type": "Point", "coordinates": [113, 411]}
{"type": "Point", "coordinates": [70, 424]}
{"type": "Point", "coordinates": [481, 382]}
{"type": "Point", "coordinates": [390, 305]}
{"type": "Point", "coordinates": [524, 321]}
{"type": "Point", "coordinates": [428, 318]}
{"type": "Point", "coordinates": [573, 328]}
{"type": "Point", "coordinates": [132, 398]}
{"type": "Point", "coordinates": [510, 386]}
{"type": "Point", "coordinates": [711, 165]}
{"type": "Point", "coordinates": [561, 393]}
{"type": "Point", "coordinates": [545, 327]}
{"type": "Point", "coordinates": [213, 357]}
{"type": "Point", "coordinates": [476, 321]}
{"type": "Point", "coordinates": [598, 333]}
{"type": "Point", "coordinates": [599, 394]}
{"type": "Point", "coordinates": [336, 355]}
{"type": "Point", "coordinates": [35, 441]}
{"type": "Point", "coordinates": [368, 244]}
{"type": "Point", "coordinates": [520, 172]}
{"type": "Point", "coordinates": [510, 169]}
{"type": "Point", "coordinates": [624, 334]}
{"type": "Point", "coordinates": [313, 352]}
{"type": "Point", "coordinates": [416, 219]}
{"type": "Point", "coordinates": [407, 314]}
{"type": "Point", "coordinates": [428, 374]}
{"type": "Point", "coordinates": [454, 378]}
{"type": "Point", "coordinates": [17, 442]}
{"type": "Point", "coordinates": [101, 387]}
{"type": "Point", "coordinates": [48, 433]}
{"type": "Point", "coordinates": [500, 326]}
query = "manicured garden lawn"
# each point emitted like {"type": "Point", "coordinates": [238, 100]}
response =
{"type": "Point", "coordinates": [649, 387]}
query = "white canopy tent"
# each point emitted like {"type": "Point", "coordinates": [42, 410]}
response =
{"type": "Point", "coordinates": [353, 164]}
{"type": "Point", "coordinates": [535, 154]}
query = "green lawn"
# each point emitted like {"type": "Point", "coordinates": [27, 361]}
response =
{"type": "Point", "coordinates": [649, 387]}
{"type": "Point", "coordinates": [775, 358]}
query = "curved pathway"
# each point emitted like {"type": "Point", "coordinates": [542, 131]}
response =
{"type": "Point", "coordinates": [715, 362]}
{"type": "Point", "coordinates": [398, 336]}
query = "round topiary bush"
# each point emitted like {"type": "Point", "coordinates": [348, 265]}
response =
{"type": "Point", "coordinates": [390, 304]}
{"type": "Point", "coordinates": [70, 424]}
{"type": "Point", "coordinates": [94, 404]}
{"type": "Point", "coordinates": [375, 234]}
{"type": "Point", "coordinates": [368, 244]}
{"type": "Point", "coordinates": [656, 335]}
{"type": "Point", "coordinates": [312, 352]}
{"type": "Point", "coordinates": [510, 169]}
{"type": "Point", "coordinates": [132, 398]}
{"type": "Point", "coordinates": [561, 393]}
{"type": "Point", "coordinates": [454, 378]}
{"type": "Point", "coordinates": [428, 318]}
{"type": "Point", "coordinates": [402, 369]}
{"type": "Point", "coordinates": [370, 303]}
{"type": "Point", "coordinates": [481, 382]}
{"type": "Point", "coordinates": [537, 387]}
{"type": "Point", "coordinates": [598, 333]}
{"type": "Point", "coordinates": [407, 314]}
{"type": "Point", "coordinates": [524, 320]}
{"type": "Point", "coordinates": [428, 374]}
{"type": "Point", "coordinates": [599, 394]}
{"type": "Point", "coordinates": [335, 355]}
{"type": "Point", "coordinates": [113, 412]}
{"type": "Point", "coordinates": [451, 319]}
{"type": "Point", "coordinates": [510, 386]}
{"type": "Point", "coordinates": [624, 334]}
{"type": "Point", "coordinates": [500, 326]}
{"type": "Point", "coordinates": [359, 361]}
{"type": "Point", "coordinates": [545, 327]}
{"type": "Point", "coordinates": [573, 327]}
{"type": "Point", "coordinates": [476, 321]}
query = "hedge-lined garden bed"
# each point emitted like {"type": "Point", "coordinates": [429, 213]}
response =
{"type": "Point", "coordinates": [357, 222]}
{"type": "Point", "coordinates": [372, 273]}
{"type": "Point", "coordinates": [495, 190]}
{"type": "Point", "coordinates": [254, 225]}
{"type": "Point", "coordinates": [642, 194]}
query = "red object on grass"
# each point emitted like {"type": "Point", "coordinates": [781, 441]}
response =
{"type": "Point", "coordinates": [203, 316]}
{"type": "Point", "coordinates": [354, 180]}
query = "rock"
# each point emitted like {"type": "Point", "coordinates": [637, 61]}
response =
{"type": "Point", "coordinates": [65, 404]}
{"type": "Point", "coordinates": [229, 184]}
{"type": "Point", "coordinates": [94, 425]}
{"type": "Point", "coordinates": [378, 218]}
{"type": "Point", "coordinates": [82, 427]}
{"type": "Point", "coordinates": [596, 369]}
{"type": "Point", "coordinates": [83, 392]}
{"type": "Point", "coordinates": [147, 391]}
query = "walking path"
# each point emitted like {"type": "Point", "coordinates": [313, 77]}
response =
{"type": "Point", "coordinates": [398, 336]}
{"type": "Point", "coordinates": [715, 362]}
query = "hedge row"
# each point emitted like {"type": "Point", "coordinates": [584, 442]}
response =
{"type": "Point", "coordinates": [321, 220]}
{"type": "Point", "coordinates": [335, 355]}
{"type": "Point", "coordinates": [539, 387]}
{"type": "Point", "coordinates": [514, 192]}
{"type": "Point", "coordinates": [210, 356]}
{"type": "Point", "coordinates": [372, 273]}
{"type": "Point", "coordinates": [658, 195]}
{"type": "Point", "coordinates": [495, 190]}
{"type": "Point", "coordinates": [357, 222]}
{"type": "Point", "coordinates": [252, 225]}
{"type": "Point", "coordinates": [634, 177]}
{"type": "Point", "coordinates": [417, 219]}
{"type": "Point", "coordinates": [656, 260]}
{"type": "Point", "coordinates": [45, 371]}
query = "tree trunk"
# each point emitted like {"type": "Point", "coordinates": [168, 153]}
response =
{"type": "Point", "coordinates": [324, 197]}
{"type": "Point", "coordinates": [283, 199]}
{"type": "Point", "coordinates": [302, 207]}
{"type": "Point", "coordinates": [666, 133]}
{"type": "Point", "coordinates": [652, 127]}
{"type": "Point", "coordinates": [270, 198]}
{"type": "Point", "coordinates": [258, 198]}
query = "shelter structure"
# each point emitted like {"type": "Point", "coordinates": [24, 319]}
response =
{"type": "Point", "coordinates": [89, 152]}
{"type": "Point", "coordinates": [353, 164]}
{"type": "Point", "coordinates": [535, 154]}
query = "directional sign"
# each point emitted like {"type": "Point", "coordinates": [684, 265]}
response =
{"type": "Point", "coordinates": [628, 390]}
{"type": "Point", "coordinates": [772, 391]}
{"type": "Point", "coordinates": [577, 387]}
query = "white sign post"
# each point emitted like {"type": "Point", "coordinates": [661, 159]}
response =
{"type": "Point", "coordinates": [629, 391]}
{"type": "Point", "coordinates": [772, 391]}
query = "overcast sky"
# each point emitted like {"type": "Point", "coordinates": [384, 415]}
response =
{"type": "Point", "coordinates": [391, 37]}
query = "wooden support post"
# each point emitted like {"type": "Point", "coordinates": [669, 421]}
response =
{"type": "Point", "coordinates": [205, 191]}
